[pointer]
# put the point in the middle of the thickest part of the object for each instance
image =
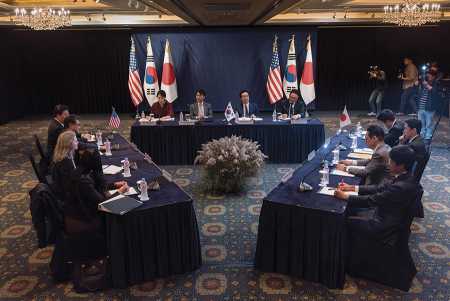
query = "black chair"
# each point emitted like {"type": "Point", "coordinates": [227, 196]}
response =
{"type": "Point", "coordinates": [36, 169]}
{"type": "Point", "coordinates": [40, 148]}
{"type": "Point", "coordinates": [389, 263]}
{"type": "Point", "coordinates": [420, 167]}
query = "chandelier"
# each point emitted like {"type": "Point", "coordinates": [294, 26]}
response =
{"type": "Point", "coordinates": [412, 13]}
{"type": "Point", "coordinates": [43, 18]}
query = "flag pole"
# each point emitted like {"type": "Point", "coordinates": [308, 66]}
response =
{"type": "Point", "coordinates": [274, 48]}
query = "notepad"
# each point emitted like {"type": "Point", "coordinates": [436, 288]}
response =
{"type": "Point", "coordinates": [341, 173]}
{"type": "Point", "coordinates": [357, 167]}
{"type": "Point", "coordinates": [111, 169]}
{"type": "Point", "coordinates": [119, 205]}
{"type": "Point", "coordinates": [359, 156]}
{"type": "Point", "coordinates": [330, 191]}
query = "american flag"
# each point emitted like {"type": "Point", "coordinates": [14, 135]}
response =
{"type": "Point", "coordinates": [274, 85]}
{"type": "Point", "coordinates": [114, 121]}
{"type": "Point", "coordinates": [134, 81]}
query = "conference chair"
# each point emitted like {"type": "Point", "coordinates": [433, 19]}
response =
{"type": "Point", "coordinates": [419, 167]}
{"type": "Point", "coordinates": [389, 263]}
{"type": "Point", "coordinates": [41, 178]}
{"type": "Point", "coordinates": [40, 149]}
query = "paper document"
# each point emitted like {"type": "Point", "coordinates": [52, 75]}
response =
{"type": "Point", "coordinates": [341, 173]}
{"type": "Point", "coordinates": [330, 191]}
{"type": "Point", "coordinates": [357, 167]}
{"type": "Point", "coordinates": [359, 156]}
{"type": "Point", "coordinates": [111, 169]}
{"type": "Point", "coordinates": [364, 151]}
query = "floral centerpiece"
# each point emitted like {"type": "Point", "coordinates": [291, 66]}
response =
{"type": "Point", "coordinates": [228, 162]}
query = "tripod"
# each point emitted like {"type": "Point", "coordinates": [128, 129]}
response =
{"type": "Point", "coordinates": [445, 101]}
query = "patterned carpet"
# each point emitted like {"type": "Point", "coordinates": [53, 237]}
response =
{"type": "Point", "coordinates": [228, 229]}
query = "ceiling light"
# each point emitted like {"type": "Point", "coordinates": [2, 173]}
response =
{"type": "Point", "coordinates": [43, 18]}
{"type": "Point", "coordinates": [412, 13]}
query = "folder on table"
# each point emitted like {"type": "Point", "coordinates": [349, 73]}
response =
{"type": "Point", "coordinates": [359, 156]}
{"type": "Point", "coordinates": [120, 205]}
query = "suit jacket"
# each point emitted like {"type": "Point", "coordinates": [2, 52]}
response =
{"type": "Point", "coordinates": [393, 203]}
{"type": "Point", "coordinates": [207, 109]}
{"type": "Point", "coordinates": [419, 148]}
{"type": "Point", "coordinates": [376, 169]}
{"type": "Point", "coordinates": [299, 108]}
{"type": "Point", "coordinates": [391, 138]}
{"type": "Point", "coordinates": [252, 109]}
{"type": "Point", "coordinates": [54, 129]}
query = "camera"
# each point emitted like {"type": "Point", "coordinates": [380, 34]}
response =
{"type": "Point", "coordinates": [424, 69]}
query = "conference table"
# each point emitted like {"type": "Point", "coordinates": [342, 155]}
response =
{"type": "Point", "coordinates": [158, 239]}
{"type": "Point", "coordinates": [169, 143]}
{"type": "Point", "coordinates": [302, 234]}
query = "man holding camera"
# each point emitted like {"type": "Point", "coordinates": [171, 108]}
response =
{"type": "Point", "coordinates": [376, 97]}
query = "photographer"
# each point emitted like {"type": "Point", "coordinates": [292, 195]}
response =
{"type": "Point", "coordinates": [376, 97]}
{"type": "Point", "coordinates": [428, 103]}
{"type": "Point", "coordinates": [410, 79]}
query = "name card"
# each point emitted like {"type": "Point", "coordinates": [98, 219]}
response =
{"type": "Point", "coordinates": [311, 155]}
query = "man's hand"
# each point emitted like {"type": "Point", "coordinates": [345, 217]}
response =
{"type": "Point", "coordinates": [346, 162]}
{"type": "Point", "coordinates": [123, 189]}
{"type": "Point", "coordinates": [341, 194]}
{"type": "Point", "coordinates": [296, 116]}
{"type": "Point", "coordinates": [119, 184]}
{"type": "Point", "coordinates": [341, 167]}
{"type": "Point", "coordinates": [345, 187]}
{"type": "Point", "coordinates": [283, 116]}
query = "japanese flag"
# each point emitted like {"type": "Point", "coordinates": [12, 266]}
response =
{"type": "Point", "coordinates": [344, 120]}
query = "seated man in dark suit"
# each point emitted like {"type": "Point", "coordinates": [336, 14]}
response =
{"type": "Point", "coordinates": [246, 108]}
{"type": "Point", "coordinates": [55, 127]}
{"type": "Point", "coordinates": [395, 127]}
{"type": "Point", "coordinates": [200, 109]}
{"type": "Point", "coordinates": [411, 137]}
{"type": "Point", "coordinates": [391, 201]}
{"type": "Point", "coordinates": [376, 169]}
{"type": "Point", "coordinates": [293, 107]}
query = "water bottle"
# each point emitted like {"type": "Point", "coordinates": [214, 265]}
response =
{"type": "Point", "coordinates": [274, 115]}
{"type": "Point", "coordinates": [108, 148]}
{"type": "Point", "coordinates": [326, 173]}
{"type": "Point", "coordinates": [142, 114]}
{"type": "Point", "coordinates": [143, 188]}
{"type": "Point", "coordinates": [126, 168]}
{"type": "Point", "coordinates": [181, 116]}
{"type": "Point", "coordinates": [358, 129]}
{"type": "Point", "coordinates": [99, 137]}
{"type": "Point", "coordinates": [335, 156]}
{"type": "Point", "coordinates": [354, 142]}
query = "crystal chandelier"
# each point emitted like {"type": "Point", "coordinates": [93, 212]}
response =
{"type": "Point", "coordinates": [412, 13]}
{"type": "Point", "coordinates": [43, 18]}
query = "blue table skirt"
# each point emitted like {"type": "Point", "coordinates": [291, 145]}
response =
{"type": "Point", "coordinates": [159, 238]}
{"type": "Point", "coordinates": [169, 143]}
{"type": "Point", "coordinates": [302, 234]}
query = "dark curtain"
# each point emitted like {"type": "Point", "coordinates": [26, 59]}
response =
{"type": "Point", "coordinates": [87, 70]}
{"type": "Point", "coordinates": [345, 55]}
{"type": "Point", "coordinates": [224, 61]}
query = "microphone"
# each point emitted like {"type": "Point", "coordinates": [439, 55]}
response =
{"type": "Point", "coordinates": [304, 187]}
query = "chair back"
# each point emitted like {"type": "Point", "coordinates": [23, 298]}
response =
{"type": "Point", "coordinates": [36, 169]}
{"type": "Point", "coordinates": [40, 148]}
{"type": "Point", "coordinates": [420, 167]}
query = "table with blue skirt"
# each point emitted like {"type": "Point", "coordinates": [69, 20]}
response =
{"type": "Point", "coordinates": [303, 234]}
{"type": "Point", "coordinates": [169, 143]}
{"type": "Point", "coordinates": [159, 238]}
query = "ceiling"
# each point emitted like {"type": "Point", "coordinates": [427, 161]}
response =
{"type": "Point", "coordinates": [212, 12]}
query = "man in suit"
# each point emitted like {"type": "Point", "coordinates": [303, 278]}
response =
{"type": "Point", "coordinates": [395, 127]}
{"type": "Point", "coordinates": [55, 127]}
{"type": "Point", "coordinates": [200, 109]}
{"type": "Point", "coordinates": [411, 137]}
{"type": "Point", "coordinates": [376, 169]}
{"type": "Point", "coordinates": [293, 107]}
{"type": "Point", "coordinates": [391, 202]}
{"type": "Point", "coordinates": [246, 108]}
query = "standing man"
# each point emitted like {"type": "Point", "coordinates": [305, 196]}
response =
{"type": "Point", "coordinates": [376, 97]}
{"type": "Point", "coordinates": [55, 127]}
{"type": "Point", "coordinates": [395, 127]}
{"type": "Point", "coordinates": [410, 79]}
{"type": "Point", "coordinates": [428, 103]}
{"type": "Point", "coordinates": [200, 109]}
{"type": "Point", "coordinates": [293, 107]}
{"type": "Point", "coordinates": [246, 108]}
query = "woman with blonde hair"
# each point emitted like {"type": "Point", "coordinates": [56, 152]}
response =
{"type": "Point", "coordinates": [77, 189]}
